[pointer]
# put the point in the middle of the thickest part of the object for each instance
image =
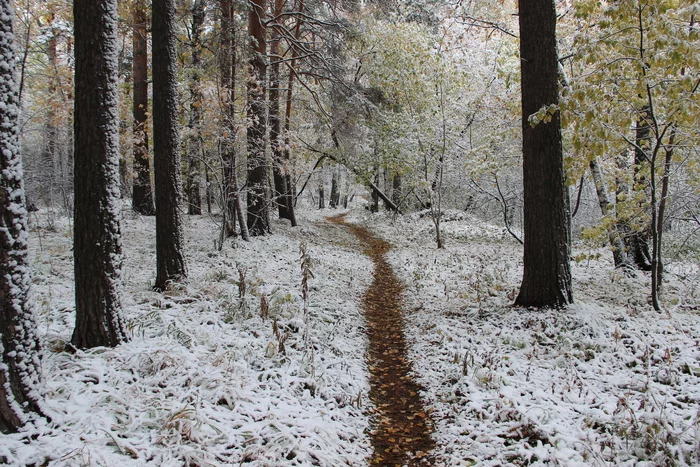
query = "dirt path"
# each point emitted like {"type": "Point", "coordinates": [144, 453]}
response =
{"type": "Point", "coordinates": [402, 432]}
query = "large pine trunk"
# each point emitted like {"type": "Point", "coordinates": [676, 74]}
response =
{"type": "Point", "coordinates": [19, 369]}
{"type": "Point", "coordinates": [97, 245]}
{"type": "Point", "coordinates": [258, 193]}
{"type": "Point", "coordinates": [194, 147]}
{"type": "Point", "coordinates": [170, 260]}
{"type": "Point", "coordinates": [142, 195]}
{"type": "Point", "coordinates": [547, 229]}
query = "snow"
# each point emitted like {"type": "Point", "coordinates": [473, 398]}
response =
{"type": "Point", "coordinates": [204, 380]}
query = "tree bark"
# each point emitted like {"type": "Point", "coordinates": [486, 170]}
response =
{"type": "Point", "coordinates": [276, 139]}
{"type": "Point", "coordinates": [194, 147]}
{"type": "Point", "coordinates": [50, 154]}
{"type": "Point", "coordinates": [616, 242]}
{"type": "Point", "coordinates": [97, 246]}
{"type": "Point", "coordinates": [321, 192]}
{"type": "Point", "coordinates": [258, 192]}
{"type": "Point", "coordinates": [170, 260]}
{"type": "Point", "coordinates": [19, 344]}
{"type": "Point", "coordinates": [227, 65]}
{"type": "Point", "coordinates": [396, 190]}
{"type": "Point", "coordinates": [547, 229]}
{"type": "Point", "coordinates": [335, 189]}
{"type": "Point", "coordinates": [142, 194]}
{"type": "Point", "coordinates": [638, 239]}
{"type": "Point", "coordinates": [291, 195]}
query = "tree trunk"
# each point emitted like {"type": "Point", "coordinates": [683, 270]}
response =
{"type": "Point", "coordinates": [227, 68]}
{"type": "Point", "coordinates": [638, 239]}
{"type": "Point", "coordinates": [258, 193]}
{"type": "Point", "coordinates": [335, 188]}
{"type": "Point", "coordinates": [616, 243]}
{"type": "Point", "coordinates": [396, 189]}
{"type": "Point", "coordinates": [97, 246]}
{"type": "Point", "coordinates": [170, 260]}
{"type": "Point", "coordinates": [142, 194]}
{"type": "Point", "coordinates": [276, 140]}
{"type": "Point", "coordinates": [321, 193]}
{"type": "Point", "coordinates": [19, 344]}
{"type": "Point", "coordinates": [50, 146]}
{"type": "Point", "coordinates": [547, 228]}
{"type": "Point", "coordinates": [291, 196]}
{"type": "Point", "coordinates": [374, 206]}
{"type": "Point", "coordinates": [194, 147]}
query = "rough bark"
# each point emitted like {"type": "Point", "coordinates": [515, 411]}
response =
{"type": "Point", "coordinates": [258, 192]}
{"type": "Point", "coordinates": [19, 369]}
{"type": "Point", "coordinates": [170, 260]}
{"type": "Point", "coordinates": [276, 139]}
{"type": "Point", "coordinates": [606, 207]}
{"type": "Point", "coordinates": [547, 229]}
{"type": "Point", "coordinates": [97, 245]}
{"type": "Point", "coordinates": [142, 194]}
{"type": "Point", "coordinates": [194, 147]}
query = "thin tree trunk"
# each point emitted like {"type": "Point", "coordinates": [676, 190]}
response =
{"type": "Point", "coordinates": [228, 62]}
{"type": "Point", "coordinates": [19, 344]}
{"type": "Point", "coordinates": [194, 148]}
{"type": "Point", "coordinates": [50, 150]}
{"type": "Point", "coordinates": [258, 193]}
{"type": "Point", "coordinates": [142, 194]}
{"type": "Point", "coordinates": [396, 192]}
{"type": "Point", "coordinates": [97, 245]}
{"type": "Point", "coordinates": [321, 192]}
{"type": "Point", "coordinates": [335, 188]}
{"type": "Point", "coordinates": [546, 271]}
{"type": "Point", "coordinates": [171, 266]}
{"type": "Point", "coordinates": [616, 243]}
{"type": "Point", "coordinates": [291, 195]}
{"type": "Point", "coordinates": [638, 240]}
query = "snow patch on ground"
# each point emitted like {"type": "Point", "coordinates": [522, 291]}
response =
{"type": "Point", "coordinates": [205, 379]}
{"type": "Point", "coordinates": [605, 382]}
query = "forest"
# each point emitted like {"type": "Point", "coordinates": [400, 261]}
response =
{"type": "Point", "coordinates": [349, 233]}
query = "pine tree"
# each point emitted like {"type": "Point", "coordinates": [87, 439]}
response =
{"type": "Point", "coordinates": [97, 248]}
{"type": "Point", "coordinates": [258, 192]}
{"type": "Point", "coordinates": [170, 260]}
{"type": "Point", "coordinates": [547, 223]}
{"type": "Point", "coordinates": [19, 369]}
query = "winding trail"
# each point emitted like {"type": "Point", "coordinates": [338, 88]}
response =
{"type": "Point", "coordinates": [403, 428]}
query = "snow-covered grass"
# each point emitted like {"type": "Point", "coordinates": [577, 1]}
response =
{"type": "Point", "coordinates": [208, 378]}
{"type": "Point", "coordinates": [605, 382]}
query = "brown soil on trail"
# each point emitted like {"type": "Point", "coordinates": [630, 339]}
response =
{"type": "Point", "coordinates": [402, 427]}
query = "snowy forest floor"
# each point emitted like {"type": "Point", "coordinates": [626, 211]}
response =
{"type": "Point", "coordinates": [216, 375]}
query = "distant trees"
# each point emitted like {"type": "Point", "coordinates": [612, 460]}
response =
{"type": "Point", "coordinates": [97, 247]}
{"type": "Point", "coordinates": [19, 368]}
{"type": "Point", "coordinates": [546, 272]}
{"type": "Point", "coordinates": [171, 266]}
